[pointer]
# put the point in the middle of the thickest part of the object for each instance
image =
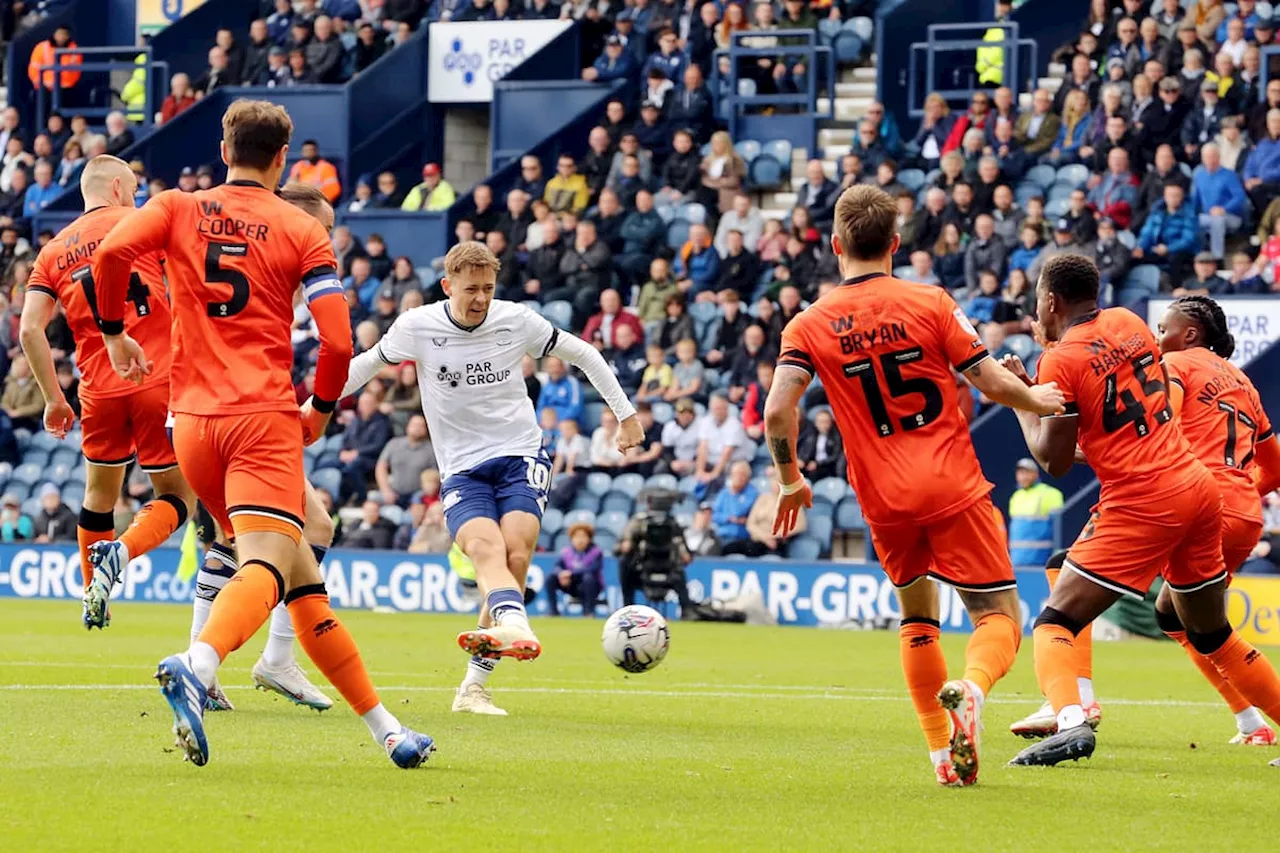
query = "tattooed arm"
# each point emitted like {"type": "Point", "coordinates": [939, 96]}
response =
{"type": "Point", "coordinates": [782, 420]}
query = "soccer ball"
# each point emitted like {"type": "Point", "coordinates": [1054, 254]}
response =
{"type": "Point", "coordinates": [636, 638]}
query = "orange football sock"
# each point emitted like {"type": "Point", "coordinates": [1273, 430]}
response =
{"type": "Point", "coordinates": [1234, 700]}
{"type": "Point", "coordinates": [1083, 641]}
{"type": "Point", "coordinates": [330, 646]}
{"type": "Point", "coordinates": [1055, 654]}
{"type": "Point", "coordinates": [1249, 672]}
{"type": "Point", "coordinates": [242, 607]}
{"type": "Point", "coordinates": [992, 650]}
{"type": "Point", "coordinates": [926, 671]}
{"type": "Point", "coordinates": [92, 527]}
{"type": "Point", "coordinates": [153, 524]}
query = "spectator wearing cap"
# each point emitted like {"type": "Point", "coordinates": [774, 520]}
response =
{"type": "Point", "coordinates": [1204, 279]}
{"type": "Point", "coordinates": [653, 132]}
{"type": "Point", "coordinates": [433, 194]}
{"type": "Point", "coordinates": [616, 63]}
{"type": "Point", "coordinates": [204, 177]}
{"type": "Point", "coordinates": [15, 525]}
{"type": "Point", "coordinates": [578, 572]}
{"type": "Point", "coordinates": [314, 171]}
{"type": "Point", "coordinates": [1170, 235]}
{"type": "Point", "coordinates": [1203, 120]}
{"type": "Point", "coordinates": [1112, 257]}
{"type": "Point", "coordinates": [1031, 511]}
{"type": "Point", "coordinates": [1264, 32]}
{"type": "Point", "coordinates": [55, 522]}
{"type": "Point", "coordinates": [188, 181]}
{"type": "Point", "coordinates": [276, 72]}
{"type": "Point", "coordinates": [1064, 242]}
{"type": "Point", "coordinates": [1218, 198]}
{"type": "Point", "coordinates": [181, 97]}
{"type": "Point", "coordinates": [385, 308]}
{"type": "Point", "coordinates": [1116, 194]}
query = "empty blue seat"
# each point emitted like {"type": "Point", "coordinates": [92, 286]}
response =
{"type": "Point", "coordinates": [677, 233]}
{"type": "Point", "coordinates": [599, 483]}
{"type": "Point", "coordinates": [778, 149]}
{"type": "Point", "coordinates": [1044, 176]}
{"type": "Point", "coordinates": [591, 417]}
{"type": "Point", "coordinates": [663, 412]}
{"type": "Point", "coordinates": [579, 516]}
{"type": "Point", "coordinates": [18, 489]}
{"type": "Point", "coordinates": [805, 548]}
{"type": "Point", "coordinates": [912, 179]}
{"type": "Point", "coordinates": [1021, 345]}
{"type": "Point", "coordinates": [628, 484]}
{"type": "Point", "coordinates": [1060, 190]}
{"type": "Point", "coordinates": [1143, 277]}
{"type": "Point", "coordinates": [762, 453]}
{"type": "Point", "coordinates": [617, 502]}
{"type": "Point", "coordinates": [23, 437]}
{"type": "Point", "coordinates": [820, 528]}
{"type": "Point", "coordinates": [833, 489]}
{"type": "Point", "coordinates": [765, 171]}
{"type": "Point", "coordinates": [662, 481]}
{"type": "Point", "coordinates": [313, 451]}
{"type": "Point", "coordinates": [687, 484]}
{"type": "Point", "coordinates": [613, 522]}
{"type": "Point", "coordinates": [552, 520]}
{"type": "Point", "coordinates": [36, 456]}
{"type": "Point", "coordinates": [827, 29]}
{"type": "Point", "coordinates": [329, 479]}
{"type": "Point", "coordinates": [57, 474]}
{"type": "Point", "coordinates": [31, 507]}
{"type": "Point", "coordinates": [73, 493]}
{"type": "Point", "coordinates": [546, 539]}
{"type": "Point", "coordinates": [45, 441]}
{"type": "Point", "coordinates": [1024, 192]}
{"type": "Point", "coordinates": [849, 515]}
{"type": "Point", "coordinates": [760, 483]}
{"type": "Point", "coordinates": [27, 473]}
{"type": "Point", "coordinates": [558, 313]}
{"type": "Point", "coordinates": [393, 514]}
{"type": "Point", "coordinates": [533, 305]}
{"type": "Point", "coordinates": [333, 443]}
{"type": "Point", "coordinates": [666, 213]}
{"type": "Point", "coordinates": [693, 213]}
{"type": "Point", "coordinates": [821, 508]}
{"type": "Point", "coordinates": [748, 149]}
{"type": "Point", "coordinates": [747, 87]}
{"type": "Point", "coordinates": [704, 312]}
{"type": "Point", "coordinates": [585, 500]}
{"type": "Point", "coordinates": [605, 541]}
{"type": "Point", "coordinates": [562, 542]}
{"type": "Point", "coordinates": [72, 441]}
{"type": "Point", "coordinates": [1075, 174]}
{"type": "Point", "coordinates": [862, 26]}
{"type": "Point", "coordinates": [847, 47]}
{"type": "Point", "coordinates": [63, 456]}
{"type": "Point", "coordinates": [1055, 208]}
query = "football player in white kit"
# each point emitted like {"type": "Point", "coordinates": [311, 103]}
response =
{"type": "Point", "coordinates": [488, 445]}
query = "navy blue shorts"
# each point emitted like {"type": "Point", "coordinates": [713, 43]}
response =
{"type": "Point", "coordinates": [495, 488]}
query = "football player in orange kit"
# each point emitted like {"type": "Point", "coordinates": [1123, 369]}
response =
{"type": "Point", "coordinates": [1160, 510]}
{"type": "Point", "coordinates": [1222, 418]}
{"type": "Point", "coordinates": [884, 350]}
{"type": "Point", "coordinates": [122, 420]}
{"type": "Point", "coordinates": [235, 255]}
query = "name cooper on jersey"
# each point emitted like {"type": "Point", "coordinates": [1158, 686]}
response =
{"type": "Point", "coordinates": [213, 224]}
{"type": "Point", "coordinates": [478, 373]}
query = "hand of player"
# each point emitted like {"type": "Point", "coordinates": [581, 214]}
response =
{"type": "Point", "coordinates": [1014, 365]}
{"type": "Point", "coordinates": [127, 357]}
{"type": "Point", "coordinates": [788, 511]}
{"type": "Point", "coordinates": [58, 417]}
{"type": "Point", "coordinates": [1048, 399]}
{"type": "Point", "coordinates": [630, 434]}
{"type": "Point", "coordinates": [313, 423]}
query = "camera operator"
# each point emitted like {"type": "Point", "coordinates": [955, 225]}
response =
{"type": "Point", "coordinates": [652, 552]}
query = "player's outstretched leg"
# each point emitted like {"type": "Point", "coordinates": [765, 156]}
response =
{"type": "Point", "coordinates": [1043, 722]}
{"type": "Point", "coordinates": [482, 540]}
{"type": "Point", "coordinates": [97, 524]}
{"type": "Point", "coordinates": [1251, 728]}
{"type": "Point", "coordinates": [473, 695]}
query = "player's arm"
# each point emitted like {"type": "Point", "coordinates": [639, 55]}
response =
{"type": "Point", "coordinates": [1003, 387]}
{"type": "Point", "coordinates": [145, 230]}
{"type": "Point", "coordinates": [585, 357]}
{"type": "Point", "coordinates": [322, 290]}
{"type": "Point", "coordinates": [37, 311]}
{"type": "Point", "coordinates": [1052, 439]}
{"type": "Point", "coordinates": [1266, 465]}
{"type": "Point", "coordinates": [782, 428]}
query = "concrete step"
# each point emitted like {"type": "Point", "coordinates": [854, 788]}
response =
{"type": "Point", "coordinates": [828, 136]}
{"type": "Point", "coordinates": [865, 73]}
{"type": "Point", "coordinates": [860, 89]}
{"type": "Point", "coordinates": [846, 109]}
{"type": "Point", "coordinates": [786, 201]}
{"type": "Point", "coordinates": [1057, 69]}
{"type": "Point", "coordinates": [1050, 83]}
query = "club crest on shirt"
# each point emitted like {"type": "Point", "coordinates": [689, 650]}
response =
{"type": "Point", "coordinates": [439, 341]}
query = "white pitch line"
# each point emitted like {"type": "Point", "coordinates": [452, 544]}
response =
{"type": "Point", "coordinates": [817, 695]}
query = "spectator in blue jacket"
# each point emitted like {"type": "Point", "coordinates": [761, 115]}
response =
{"type": "Point", "coordinates": [1262, 169]}
{"type": "Point", "coordinates": [732, 505]}
{"type": "Point", "coordinates": [347, 10]}
{"type": "Point", "coordinates": [1170, 235]}
{"type": "Point", "coordinates": [642, 236]}
{"type": "Point", "coordinates": [280, 22]}
{"type": "Point", "coordinates": [476, 10]}
{"type": "Point", "coordinates": [1218, 198]}
{"type": "Point", "coordinates": [869, 147]}
{"type": "Point", "coordinates": [1076, 121]}
{"type": "Point", "coordinates": [698, 263]}
{"type": "Point", "coordinates": [560, 392]}
{"type": "Point", "coordinates": [890, 136]}
{"type": "Point", "coordinates": [614, 64]}
{"type": "Point", "coordinates": [668, 58]}
{"type": "Point", "coordinates": [42, 191]}
{"type": "Point", "coordinates": [362, 443]}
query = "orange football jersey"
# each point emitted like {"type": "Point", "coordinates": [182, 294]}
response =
{"type": "Point", "coordinates": [1222, 418]}
{"type": "Point", "coordinates": [1107, 365]}
{"type": "Point", "coordinates": [235, 256]}
{"type": "Point", "coordinates": [884, 350]}
{"type": "Point", "coordinates": [63, 272]}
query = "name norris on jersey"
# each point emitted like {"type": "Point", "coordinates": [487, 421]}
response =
{"type": "Point", "coordinates": [213, 224]}
{"type": "Point", "coordinates": [1220, 384]}
{"type": "Point", "coordinates": [855, 340]}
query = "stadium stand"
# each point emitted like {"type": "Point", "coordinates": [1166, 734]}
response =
{"type": "Point", "coordinates": [683, 189]}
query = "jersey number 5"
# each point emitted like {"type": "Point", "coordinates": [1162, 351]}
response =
{"type": "Point", "coordinates": [216, 273]}
{"type": "Point", "coordinates": [138, 293]}
{"type": "Point", "coordinates": [891, 362]}
{"type": "Point", "coordinates": [1120, 408]}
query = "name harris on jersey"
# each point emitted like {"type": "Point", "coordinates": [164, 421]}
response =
{"type": "Point", "coordinates": [1107, 358]}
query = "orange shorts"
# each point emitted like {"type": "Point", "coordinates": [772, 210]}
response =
{"type": "Point", "coordinates": [967, 550]}
{"type": "Point", "coordinates": [1125, 545]}
{"type": "Point", "coordinates": [118, 428]}
{"type": "Point", "coordinates": [1239, 537]}
{"type": "Point", "coordinates": [246, 469]}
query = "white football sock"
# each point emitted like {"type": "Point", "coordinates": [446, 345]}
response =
{"type": "Point", "coordinates": [977, 691]}
{"type": "Point", "coordinates": [1249, 720]}
{"type": "Point", "coordinates": [1070, 717]}
{"type": "Point", "coordinates": [478, 671]}
{"type": "Point", "coordinates": [938, 756]}
{"type": "Point", "coordinates": [382, 723]}
{"type": "Point", "coordinates": [204, 662]}
{"type": "Point", "coordinates": [278, 652]}
{"type": "Point", "coordinates": [1085, 685]}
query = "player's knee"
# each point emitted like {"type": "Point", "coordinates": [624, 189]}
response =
{"type": "Point", "coordinates": [483, 552]}
{"type": "Point", "coordinates": [518, 562]}
{"type": "Point", "coordinates": [1056, 561]}
{"type": "Point", "coordinates": [99, 499]}
{"type": "Point", "coordinates": [1168, 622]}
{"type": "Point", "coordinates": [1054, 616]}
{"type": "Point", "coordinates": [1208, 642]}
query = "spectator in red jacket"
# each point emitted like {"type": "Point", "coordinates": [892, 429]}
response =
{"type": "Point", "coordinates": [601, 327]}
{"type": "Point", "coordinates": [753, 405]}
{"type": "Point", "coordinates": [181, 98]}
{"type": "Point", "coordinates": [976, 117]}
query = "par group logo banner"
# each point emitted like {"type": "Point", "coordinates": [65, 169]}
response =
{"type": "Point", "coordinates": [1255, 322]}
{"type": "Point", "coordinates": [465, 59]}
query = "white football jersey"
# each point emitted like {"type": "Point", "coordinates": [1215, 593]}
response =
{"type": "Point", "coordinates": [473, 391]}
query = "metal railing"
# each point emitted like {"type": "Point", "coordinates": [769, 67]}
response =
{"type": "Point", "coordinates": [809, 51]}
{"type": "Point", "coordinates": [51, 100]}
{"type": "Point", "coordinates": [1011, 71]}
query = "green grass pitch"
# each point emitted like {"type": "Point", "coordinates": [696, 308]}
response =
{"type": "Point", "coordinates": [744, 739]}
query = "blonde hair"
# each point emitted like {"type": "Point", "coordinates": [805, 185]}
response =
{"type": "Point", "coordinates": [1074, 109]}
{"type": "Point", "coordinates": [935, 98]}
{"type": "Point", "coordinates": [721, 138]}
{"type": "Point", "coordinates": [468, 256]}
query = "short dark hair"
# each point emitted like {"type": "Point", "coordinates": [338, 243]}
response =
{"type": "Point", "coordinates": [866, 219]}
{"type": "Point", "coordinates": [1072, 278]}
